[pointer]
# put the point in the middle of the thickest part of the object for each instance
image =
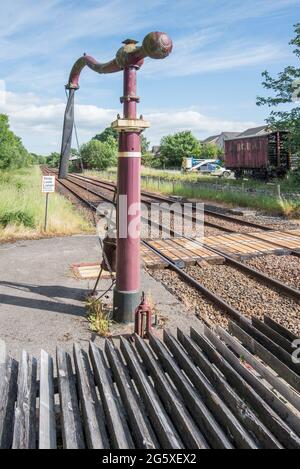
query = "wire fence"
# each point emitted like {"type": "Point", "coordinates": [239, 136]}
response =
{"type": "Point", "coordinates": [273, 190]}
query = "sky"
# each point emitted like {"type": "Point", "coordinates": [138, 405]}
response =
{"type": "Point", "coordinates": [208, 84]}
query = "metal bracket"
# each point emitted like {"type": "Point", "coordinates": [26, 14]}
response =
{"type": "Point", "coordinates": [130, 125]}
{"type": "Point", "coordinates": [129, 98]}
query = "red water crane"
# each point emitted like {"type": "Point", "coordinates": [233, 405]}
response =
{"type": "Point", "coordinates": [129, 59]}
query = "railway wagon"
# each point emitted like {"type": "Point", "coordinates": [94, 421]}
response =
{"type": "Point", "coordinates": [259, 156]}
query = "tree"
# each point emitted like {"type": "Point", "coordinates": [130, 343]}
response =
{"type": "Point", "coordinates": [287, 90]}
{"type": "Point", "coordinates": [53, 159]}
{"type": "Point", "coordinates": [210, 151]}
{"type": "Point", "coordinates": [12, 152]}
{"type": "Point", "coordinates": [145, 144]}
{"type": "Point", "coordinates": [173, 148]}
{"type": "Point", "coordinates": [38, 159]}
{"type": "Point", "coordinates": [100, 155]}
{"type": "Point", "coordinates": [148, 159]}
{"type": "Point", "coordinates": [108, 133]}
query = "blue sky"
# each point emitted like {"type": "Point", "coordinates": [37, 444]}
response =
{"type": "Point", "coordinates": [208, 84]}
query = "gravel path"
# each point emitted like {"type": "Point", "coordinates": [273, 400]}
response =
{"type": "Point", "coordinates": [245, 294]}
{"type": "Point", "coordinates": [284, 268]}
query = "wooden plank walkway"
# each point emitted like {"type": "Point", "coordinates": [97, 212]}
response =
{"type": "Point", "coordinates": [284, 239]}
{"type": "Point", "coordinates": [244, 246]}
{"type": "Point", "coordinates": [190, 391]}
{"type": "Point", "coordinates": [185, 251]}
{"type": "Point", "coordinates": [178, 250]}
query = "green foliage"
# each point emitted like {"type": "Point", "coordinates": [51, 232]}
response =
{"type": "Point", "coordinates": [106, 135]}
{"type": "Point", "coordinates": [38, 159]}
{"type": "Point", "coordinates": [17, 217]}
{"type": "Point", "coordinates": [53, 160]}
{"type": "Point", "coordinates": [210, 151]}
{"type": "Point", "coordinates": [151, 161]}
{"type": "Point", "coordinates": [12, 152]}
{"type": "Point", "coordinates": [100, 155]}
{"type": "Point", "coordinates": [22, 208]}
{"type": "Point", "coordinates": [268, 204]}
{"type": "Point", "coordinates": [173, 148]}
{"type": "Point", "coordinates": [286, 89]}
{"type": "Point", "coordinates": [145, 144]}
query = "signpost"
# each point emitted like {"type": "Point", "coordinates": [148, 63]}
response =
{"type": "Point", "coordinates": [48, 187]}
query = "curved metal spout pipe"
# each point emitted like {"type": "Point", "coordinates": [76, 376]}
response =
{"type": "Point", "coordinates": [155, 45]}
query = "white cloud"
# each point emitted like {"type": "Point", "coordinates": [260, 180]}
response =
{"type": "Point", "coordinates": [189, 57]}
{"type": "Point", "coordinates": [39, 124]}
{"type": "Point", "coordinates": [201, 125]}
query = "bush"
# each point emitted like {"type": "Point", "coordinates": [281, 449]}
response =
{"type": "Point", "coordinates": [100, 155]}
{"type": "Point", "coordinates": [17, 218]}
{"type": "Point", "coordinates": [12, 152]}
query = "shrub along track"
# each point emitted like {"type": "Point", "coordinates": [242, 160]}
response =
{"type": "Point", "coordinates": [216, 293]}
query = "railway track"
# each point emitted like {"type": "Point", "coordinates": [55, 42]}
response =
{"type": "Point", "coordinates": [80, 190]}
{"type": "Point", "coordinates": [148, 197]}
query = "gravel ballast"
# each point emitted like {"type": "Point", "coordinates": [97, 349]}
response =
{"type": "Point", "coordinates": [284, 268]}
{"type": "Point", "coordinates": [242, 292]}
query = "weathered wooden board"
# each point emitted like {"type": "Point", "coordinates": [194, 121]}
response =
{"type": "Point", "coordinates": [212, 400]}
{"type": "Point", "coordinates": [207, 390]}
{"type": "Point", "coordinates": [116, 421]}
{"type": "Point", "coordinates": [242, 246]}
{"type": "Point", "coordinates": [206, 420]}
{"type": "Point", "coordinates": [187, 251]}
{"type": "Point", "coordinates": [238, 406]}
{"type": "Point", "coordinates": [47, 424]}
{"type": "Point", "coordinates": [92, 411]}
{"type": "Point", "coordinates": [281, 238]}
{"type": "Point", "coordinates": [72, 430]}
{"type": "Point", "coordinates": [214, 350]}
{"type": "Point", "coordinates": [25, 411]}
{"type": "Point", "coordinates": [8, 396]}
{"type": "Point", "coordinates": [165, 430]}
{"type": "Point", "coordinates": [173, 402]}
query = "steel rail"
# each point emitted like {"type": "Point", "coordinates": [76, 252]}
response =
{"type": "Point", "coordinates": [235, 314]}
{"type": "Point", "coordinates": [252, 235]}
{"type": "Point", "coordinates": [157, 197]}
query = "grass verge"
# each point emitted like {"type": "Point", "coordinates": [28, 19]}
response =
{"type": "Point", "coordinates": [183, 186]}
{"type": "Point", "coordinates": [22, 209]}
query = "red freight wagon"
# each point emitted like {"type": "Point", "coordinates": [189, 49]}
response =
{"type": "Point", "coordinates": [259, 156]}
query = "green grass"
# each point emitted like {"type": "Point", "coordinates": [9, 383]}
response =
{"type": "Point", "coordinates": [189, 186]}
{"type": "Point", "coordinates": [22, 208]}
{"type": "Point", "coordinates": [291, 184]}
{"type": "Point", "coordinates": [269, 205]}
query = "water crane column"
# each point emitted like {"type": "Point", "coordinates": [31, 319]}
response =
{"type": "Point", "coordinates": [127, 293]}
{"type": "Point", "coordinates": [129, 59]}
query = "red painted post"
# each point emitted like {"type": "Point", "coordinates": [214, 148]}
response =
{"type": "Point", "coordinates": [127, 292]}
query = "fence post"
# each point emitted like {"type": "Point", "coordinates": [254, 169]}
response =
{"type": "Point", "coordinates": [279, 192]}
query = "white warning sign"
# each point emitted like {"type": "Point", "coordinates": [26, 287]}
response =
{"type": "Point", "coordinates": [48, 184]}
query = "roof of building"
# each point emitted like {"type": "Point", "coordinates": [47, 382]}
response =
{"type": "Point", "coordinates": [255, 131]}
{"type": "Point", "coordinates": [210, 139]}
{"type": "Point", "coordinates": [213, 138]}
{"type": "Point", "coordinates": [230, 134]}
{"type": "Point", "coordinates": [155, 148]}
